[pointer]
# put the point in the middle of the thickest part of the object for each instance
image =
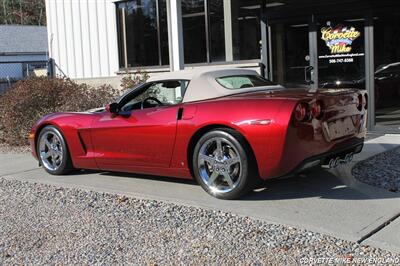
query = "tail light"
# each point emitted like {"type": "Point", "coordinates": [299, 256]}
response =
{"type": "Point", "coordinates": [360, 102]}
{"type": "Point", "coordinates": [301, 112]}
{"type": "Point", "coordinates": [317, 109]}
{"type": "Point", "coordinates": [365, 101]}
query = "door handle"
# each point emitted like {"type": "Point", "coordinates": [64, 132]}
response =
{"type": "Point", "coordinates": [308, 71]}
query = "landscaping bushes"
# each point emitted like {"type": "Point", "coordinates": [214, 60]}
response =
{"type": "Point", "coordinates": [129, 80]}
{"type": "Point", "coordinates": [30, 99]}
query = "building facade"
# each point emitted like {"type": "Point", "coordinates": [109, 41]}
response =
{"type": "Point", "coordinates": [307, 43]}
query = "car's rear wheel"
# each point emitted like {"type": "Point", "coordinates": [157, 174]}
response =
{"type": "Point", "coordinates": [221, 164]}
{"type": "Point", "coordinates": [53, 152]}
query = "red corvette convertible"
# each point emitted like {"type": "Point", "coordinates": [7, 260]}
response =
{"type": "Point", "coordinates": [226, 128]}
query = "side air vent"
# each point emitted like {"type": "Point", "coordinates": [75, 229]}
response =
{"type": "Point", "coordinates": [82, 143]}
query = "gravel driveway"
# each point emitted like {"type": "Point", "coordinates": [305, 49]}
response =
{"type": "Point", "coordinates": [382, 170]}
{"type": "Point", "coordinates": [42, 224]}
{"type": "Point", "coordinates": [4, 149]}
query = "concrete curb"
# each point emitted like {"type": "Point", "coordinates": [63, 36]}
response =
{"type": "Point", "coordinates": [344, 173]}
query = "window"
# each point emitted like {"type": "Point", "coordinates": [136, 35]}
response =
{"type": "Point", "coordinates": [213, 31]}
{"type": "Point", "coordinates": [217, 31]}
{"type": "Point", "coordinates": [163, 24]}
{"type": "Point", "coordinates": [387, 67]}
{"type": "Point", "coordinates": [243, 81]}
{"type": "Point", "coordinates": [163, 93]}
{"type": "Point", "coordinates": [142, 33]}
{"type": "Point", "coordinates": [194, 31]}
{"type": "Point", "coordinates": [221, 30]}
{"type": "Point", "coordinates": [246, 30]}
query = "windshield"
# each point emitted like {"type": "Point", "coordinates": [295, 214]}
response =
{"type": "Point", "coordinates": [128, 91]}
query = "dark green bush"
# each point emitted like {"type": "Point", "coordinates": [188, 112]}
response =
{"type": "Point", "coordinates": [30, 99]}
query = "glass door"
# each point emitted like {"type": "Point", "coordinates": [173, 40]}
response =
{"type": "Point", "coordinates": [319, 52]}
{"type": "Point", "coordinates": [387, 69]}
{"type": "Point", "coordinates": [292, 53]}
{"type": "Point", "coordinates": [329, 46]}
{"type": "Point", "coordinates": [341, 52]}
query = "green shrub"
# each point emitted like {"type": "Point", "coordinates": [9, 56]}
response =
{"type": "Point", "coordinates": [30, 99]}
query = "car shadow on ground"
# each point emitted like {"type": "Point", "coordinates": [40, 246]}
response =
{"type": "Point", "coordinates": [315, 184]}
{"type": "Point", "coordinates": [138, 176]}
{"type": "Point", "coordinates": [318, 184]}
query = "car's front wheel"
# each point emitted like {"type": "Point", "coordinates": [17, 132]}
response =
{"type": "Point", "coordinates": [221, 164]}
{"type": "Point", "coordinates": [53, 153]}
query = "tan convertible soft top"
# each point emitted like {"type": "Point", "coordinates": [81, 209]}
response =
{"type": "Point", "coordinates": [203, 84]}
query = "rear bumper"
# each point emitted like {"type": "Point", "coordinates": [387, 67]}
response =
{"type": "Point", "coordinates": [301, 154]}
{"type": "Point", "coordinates": [323, 159]}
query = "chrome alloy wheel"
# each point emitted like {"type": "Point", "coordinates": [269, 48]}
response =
{"type": "Point", "coordinates": [51, 151]}
{"type": "Point", "coordinates": [220, 165]}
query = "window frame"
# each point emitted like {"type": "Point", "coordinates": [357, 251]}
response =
{"type": "Point", "coordinates": [208, 39]}
{"type": "Point", "coordinates": [121, 46]}
{"type": "Point", "coordinates": [122, 39]}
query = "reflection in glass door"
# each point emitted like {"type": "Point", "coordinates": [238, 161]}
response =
{"type": "Point", "coordinates": [319, 53]}
{"type": "Point", "coordinates": [387, 68]}
{"type": "Point", "coordinates": [341, 53]}
{"type": "Point", "coordinates": [357, 49]}
{"type": "Point", "coordinates": [290, 53]}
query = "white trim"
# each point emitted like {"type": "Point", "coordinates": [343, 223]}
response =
{"type": "Point", "coordinates": [228, 30]}
{"type": "Point", "coordinates": [175, 35]}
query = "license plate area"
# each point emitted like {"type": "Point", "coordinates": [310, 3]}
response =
{"type": "Point", "coordinates": [338, 129]}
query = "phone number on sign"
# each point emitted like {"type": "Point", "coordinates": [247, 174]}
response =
{"type": "Point", "coordinates": [341, 60]}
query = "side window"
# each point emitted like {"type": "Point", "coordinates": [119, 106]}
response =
{"type": "Point", "coordinates": [160, 93]}
{"type": "Point", "coordinates": [168, 92]}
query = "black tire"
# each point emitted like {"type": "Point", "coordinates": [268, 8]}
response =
{"type": "Point", "coordinates": [245, 181]}
{"type": "Point", "coordinates": [65, 165]}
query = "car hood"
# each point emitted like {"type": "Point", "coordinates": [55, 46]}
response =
{"type": "Point", "coordinates": [87, 112]}
{"type": "Point", "coordinates": [95, 110]}
{"type": "Point", "coordinates": [72, 119]}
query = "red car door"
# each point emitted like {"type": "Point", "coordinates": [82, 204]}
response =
{"type": "Point", "coordinates": [144, 138]}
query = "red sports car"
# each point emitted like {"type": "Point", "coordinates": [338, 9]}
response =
{"type": "Point", "coordinates": [226, 128]}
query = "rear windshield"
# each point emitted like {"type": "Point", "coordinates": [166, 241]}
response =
{"type": "Point", "coordinates": [243, 81]}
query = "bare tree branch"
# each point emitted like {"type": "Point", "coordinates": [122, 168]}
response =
{"type": "Point", "coordinates": [23, 12]}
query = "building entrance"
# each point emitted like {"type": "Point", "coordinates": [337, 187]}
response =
{"type": "Point", "coordinates": [320, 45]}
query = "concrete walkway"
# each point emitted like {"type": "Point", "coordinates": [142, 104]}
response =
{"type": "Point", "coordinates": [329, 202]}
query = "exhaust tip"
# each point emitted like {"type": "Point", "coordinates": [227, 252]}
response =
{"type": "Point", "coordinates": [335, 162]}
{"type": "Point", "coordinates": [348, 158]}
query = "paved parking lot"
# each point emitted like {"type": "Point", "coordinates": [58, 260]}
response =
{"type": "Point", "coordinates": [329, 202]}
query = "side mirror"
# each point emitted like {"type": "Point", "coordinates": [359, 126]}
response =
{"type": "Point", "coordinates": [112, 108]}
